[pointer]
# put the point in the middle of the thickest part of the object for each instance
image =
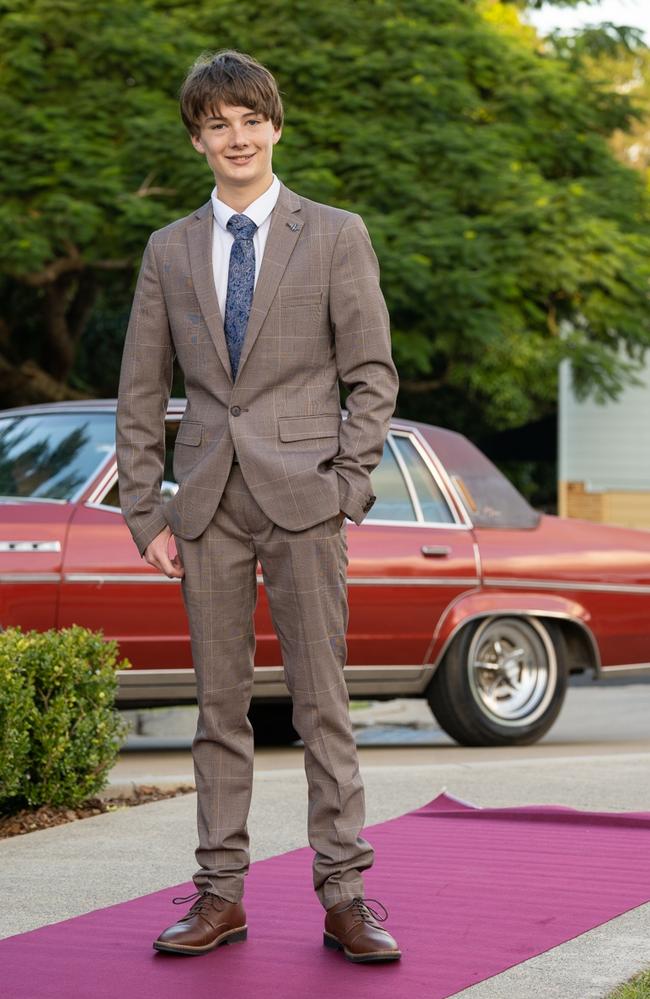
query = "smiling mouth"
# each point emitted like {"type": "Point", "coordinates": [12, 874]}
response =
{"type": "Point", "coordinates": [240, 159]}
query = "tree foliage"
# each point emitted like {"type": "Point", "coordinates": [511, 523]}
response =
{"type": "Point", "coordinates": [509, 235]}
{"type": "Point", "coordinates": [95, 160]}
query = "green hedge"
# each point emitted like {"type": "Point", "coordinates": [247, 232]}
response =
{"type": "Point", "coordinates": [59, 731]}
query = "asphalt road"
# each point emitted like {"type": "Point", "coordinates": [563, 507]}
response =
{"type": "Point", "coordinates": [597, 719]}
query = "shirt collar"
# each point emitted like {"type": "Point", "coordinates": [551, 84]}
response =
{"type": "Point", "coordinates": [258, 211]}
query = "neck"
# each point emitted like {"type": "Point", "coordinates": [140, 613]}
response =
{"type": "Point", "coordinates": [239, 198]}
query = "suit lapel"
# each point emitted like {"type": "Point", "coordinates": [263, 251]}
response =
{"type": "Point", "coordinates": [199, 238]}
{"type": "Point", "coordinates": [284, 233]}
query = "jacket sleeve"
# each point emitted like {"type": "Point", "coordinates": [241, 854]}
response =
{"type": "Point", "coordinates": [361, 326]}
{"type": "Point", "coordinates": [143, 394]}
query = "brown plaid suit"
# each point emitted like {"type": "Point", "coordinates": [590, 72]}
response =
{"type": "Point", "coordinates": [318, 316]}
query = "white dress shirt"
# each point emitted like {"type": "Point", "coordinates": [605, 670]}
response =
{"type": "Point", "coordinates": [260, 213]}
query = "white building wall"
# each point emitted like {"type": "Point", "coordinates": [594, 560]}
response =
{"type": "Point", "coordinates": [606, 447]}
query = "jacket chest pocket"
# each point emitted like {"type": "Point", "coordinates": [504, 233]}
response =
{"type": "Point", "coordinates": [298, 307]}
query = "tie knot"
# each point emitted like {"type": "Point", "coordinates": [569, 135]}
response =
{"type": "Point", "coordinates": [241, 226]}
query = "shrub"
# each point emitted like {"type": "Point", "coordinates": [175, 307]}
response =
{"type": "Point", "coordinates": [16, 708]}
{"type": "Point", "coordinates": [59, 731]}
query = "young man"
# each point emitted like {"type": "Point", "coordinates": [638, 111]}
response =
{"type": "Point", "coordinates": [267, 300]}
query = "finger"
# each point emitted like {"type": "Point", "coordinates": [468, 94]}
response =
{"type": "Point", "coordinates": [178, 566]}
{"type": "Point", "coordinates": [167, 566]}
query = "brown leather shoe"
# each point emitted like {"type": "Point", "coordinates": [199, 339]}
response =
{"type": "Point", "coordinates": [211, 921]}
{"type": "Point", "coordinates": [351, 926]}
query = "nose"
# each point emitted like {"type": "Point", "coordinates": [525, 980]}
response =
{"type": "Point", "coordinates": [238, 137]}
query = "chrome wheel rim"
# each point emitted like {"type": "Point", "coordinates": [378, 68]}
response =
{"type": "Point", "coordinates": [512, 670]}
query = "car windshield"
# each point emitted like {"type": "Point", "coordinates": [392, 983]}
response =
{"type": "Point", "coordinates": [50, 456]}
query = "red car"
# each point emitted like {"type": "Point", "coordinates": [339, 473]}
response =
{"type": "Point", "coordinates": [459, 591]}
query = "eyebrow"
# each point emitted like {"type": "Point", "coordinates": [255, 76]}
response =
{"type": "Point", "coordinates": [218, 117]}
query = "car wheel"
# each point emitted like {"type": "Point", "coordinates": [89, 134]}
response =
{"type": "Point", "coordinates": [502, 682]}
{"type": "Point", "coordinates": [272, 723]}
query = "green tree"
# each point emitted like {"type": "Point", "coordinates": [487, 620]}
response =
{"type": "Point", "coordinates": [93, 160]}
{"type": "Point", "coordinates": [508, 233]}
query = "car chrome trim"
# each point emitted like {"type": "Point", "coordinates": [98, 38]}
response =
{"type": "Point", "coordinates": [530, 612]}
{"type": "Point", "coordinates": [434, 524]}
{"type": "Point", "coordinates": [99, 470]}
{"type": "Point", "coordinates": [477, 560]}
{"type": "Point", "coordinates": [268, 681]}
{"type": "Point", "coordinates": [118, 577]}
{"type": "Point", "coordinates": [145, 577]}
{"type": "Point", "coordinates": [550, 584]}
{"type": "Point", "coordinates": [32, 499]}
{"type": "Point", "coordinates": [104, 506]}
{"type": "Point", "coordinates": [438, 472]}
{"type": "Point", "coordinates": [408, 481]}
{"type": "Point", "coordinates": [445, 613]}
{"type": "Point", "coordinates": [30, 546]}
{"type": "Point", "coordinates": [105, 484]}
{"type": "Point", "coordinates": [412, 581]}
{"type": "Point", "coordinates": [30, 577]}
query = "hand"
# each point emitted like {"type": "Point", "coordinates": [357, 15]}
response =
{"type": "Point", "coordinates": [157, 554]}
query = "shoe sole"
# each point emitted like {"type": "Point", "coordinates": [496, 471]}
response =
{"type": "Point", "coordinates": [230, 936]}
{"type": "Point", "coordinates": [377, 955]}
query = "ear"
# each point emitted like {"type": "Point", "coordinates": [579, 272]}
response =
{"type": "Point", "coordinates": [198, 145]}
{"type": "Point", "coordinates": [277, 132]}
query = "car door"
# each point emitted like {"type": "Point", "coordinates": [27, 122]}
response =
{"type": "Point", "coordinates": [410, 558]}
{"type": "Point", "coordinates": [107, 585]}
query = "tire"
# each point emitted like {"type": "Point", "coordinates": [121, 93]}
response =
{"type": "Point", "coordinates": [512, 700]}
{"type": "Point", "coordinates": [272, 723]}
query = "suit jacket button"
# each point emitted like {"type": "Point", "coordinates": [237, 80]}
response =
{"type": "Point", "coordinates": [235, 410]}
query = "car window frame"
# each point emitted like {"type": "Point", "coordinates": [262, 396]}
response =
{"type": "Point", "coordinates": [460, 520]}
{"type": "Point", "coordinates": [109, 477]}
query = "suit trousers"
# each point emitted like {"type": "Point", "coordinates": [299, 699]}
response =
{"type": "Point", "coordinates": [304, 576]}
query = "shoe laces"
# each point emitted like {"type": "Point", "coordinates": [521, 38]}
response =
{"type": "Point", "coordinates": [203, 899]}
{"type": "Point", "coordinates": [366, 911]}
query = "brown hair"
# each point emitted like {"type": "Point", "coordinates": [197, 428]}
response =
{"type": "Point", "coordinates": [228, 77]}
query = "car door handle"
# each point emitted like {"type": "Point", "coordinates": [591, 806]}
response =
{"type": "Point", "coordinates": [435, 551]}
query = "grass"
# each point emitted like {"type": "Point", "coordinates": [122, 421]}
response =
{"type": "Point", "coordinates": [637, 988]}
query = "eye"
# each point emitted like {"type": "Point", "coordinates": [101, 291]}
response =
{"type": "Point", "coordinates": [253, 121]}
{"type": "Point", "coordinates": [214, 127]}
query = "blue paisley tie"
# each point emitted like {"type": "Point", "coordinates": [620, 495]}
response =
{"type": "Point", "coordinates": [241, 282]}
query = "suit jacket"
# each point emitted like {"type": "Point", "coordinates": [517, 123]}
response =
{"type": "Point", "coordinates": [318, 316]}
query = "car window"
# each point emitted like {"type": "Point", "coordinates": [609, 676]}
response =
{"type": "Point", "coordinates": [434, 506]}
{"type": "Point", "coordinates": [169, 484]}
{"type": "Point", "coordinates": [52, 456]}
{"type": "Point", "coordinates": [393, 501]}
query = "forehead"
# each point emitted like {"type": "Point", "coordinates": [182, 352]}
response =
{"type": "Point", "coordinates": [228, 112]}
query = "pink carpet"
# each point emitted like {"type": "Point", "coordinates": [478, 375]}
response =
{"type": "Point", "coordinates": [470, 892]}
